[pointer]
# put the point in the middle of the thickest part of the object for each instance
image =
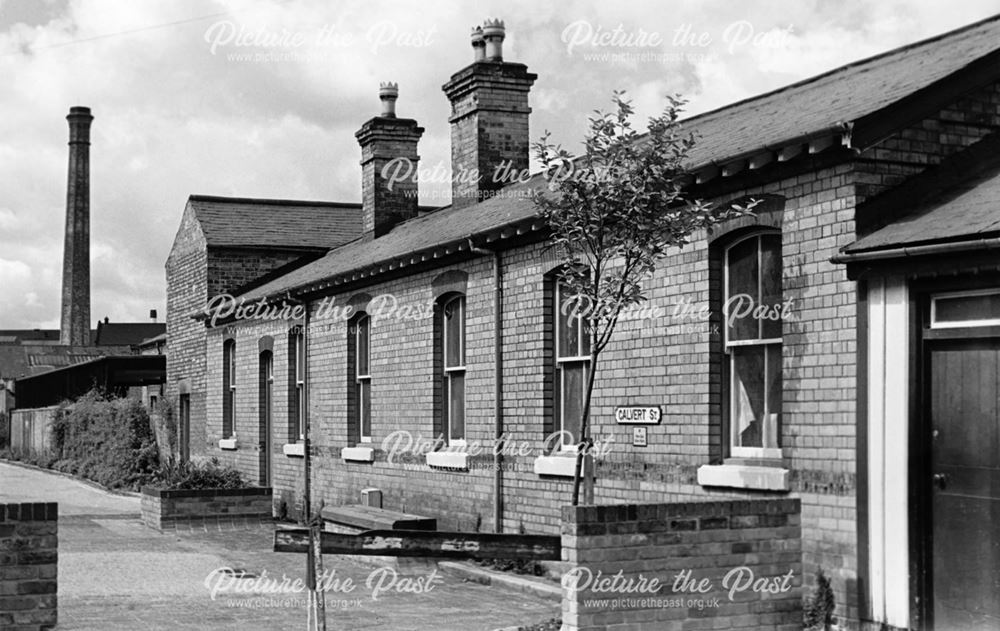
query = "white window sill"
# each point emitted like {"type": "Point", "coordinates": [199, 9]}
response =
{"type": "Point", "coordinates": [229, 444]}
{"type": "Point", "coordinates": [357, 454]}
{"type": "Point", "coordinates": [294, 450]}
{"type": "Point", "coordinates": [448, 459]}
{"type": "Point", "coordinates": [563, 466]}
{"type": "Point", "coordinates": [739, 476]}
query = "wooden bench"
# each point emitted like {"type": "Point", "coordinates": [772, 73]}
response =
{"type": "Point", "coordinates": [356, 518]}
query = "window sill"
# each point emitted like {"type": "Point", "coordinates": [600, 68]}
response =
{"type": "Point", "coordinates": [357, 454]}
{"type": "Point", "coordinates": [294, 450]}
{"type": "Point", "coordinates": [562, 466]}
{"type": "Point", "coordinates": [738, 476]}
{"type": "Point", "coordinates": [448, 460]}
{"type": "Point", "coordinates": [229, 444]}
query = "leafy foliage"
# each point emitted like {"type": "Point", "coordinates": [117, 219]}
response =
{"type": "Point", "coordinates": [616, 211]}
{"type": "Point", "coordinates": [190, 475]}
{"type": "Point", "coordinates": [109, 441]}
{"type": "Point", "coordinates": [820, 606]}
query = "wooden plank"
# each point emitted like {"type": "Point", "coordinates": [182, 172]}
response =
{"type": "Point", "coordinates": [421, 543]}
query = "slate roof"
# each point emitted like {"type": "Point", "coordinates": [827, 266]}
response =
{"type": "Point", "coordinates": [842, 95]}
{"type": "Point", "coordinates": [968, 212]}
{"type": "Point", "coordinates": [801, 110]}
{"type": "Point", "coordinates": [242, 222]}
{"type": "Point", "coordinates": [126, 333]}
{"type": "Point", "coordinates": [11, 336]}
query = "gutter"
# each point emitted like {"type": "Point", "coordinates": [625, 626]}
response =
{"type": "Point", "coordinates": [497, 383]}
{"type": "Point", "coordinates": [845, 258]}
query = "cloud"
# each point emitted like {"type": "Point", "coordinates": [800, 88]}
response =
{"type": "Point", "coordinates": [263, 99]}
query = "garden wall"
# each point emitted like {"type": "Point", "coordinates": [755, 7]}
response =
{"type": "Point", "coordinates": [163, 509]}
{"type": "Point", "coordinates": [697, 565]}
{"type": "Point", "coordinates": [29, 555]}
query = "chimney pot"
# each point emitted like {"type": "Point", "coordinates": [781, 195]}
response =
{"type": "Point", "coordinates": [388, 92]}
{"type": "Point", "coordinates": [388, 166]}
{"type": "Point", "coordinates": [152, 315]}
{"type": "Point", "coordinates": [494, 33]}
{"type": "Point", "coordinates": [478, 44]}
{"type": "Point", "coordinates": [489, 119]}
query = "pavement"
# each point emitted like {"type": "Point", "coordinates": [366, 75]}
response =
{"type": "Point", "coordinates": [115, 573]}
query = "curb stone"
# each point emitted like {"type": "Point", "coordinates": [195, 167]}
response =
{"type": "Point", "coordinates": [490, 577]}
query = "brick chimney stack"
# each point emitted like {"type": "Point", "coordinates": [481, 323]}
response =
{"type": "Point", "coordinates": [75, 323]}
{"type": "Point", "coordinates": [388, 166]}
{"type": "Point", "coordinates": [489, 117]}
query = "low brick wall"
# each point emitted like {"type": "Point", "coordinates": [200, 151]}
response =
{"type": "Point", "coordinates": [163, 509]}
{"type": "Point", "coordinates": [699, 565]}
{"type": "Point", "coordinates": [29, 556]}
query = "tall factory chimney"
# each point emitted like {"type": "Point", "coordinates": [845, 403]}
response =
{"type": "Point", "coordinates": [75, 327]}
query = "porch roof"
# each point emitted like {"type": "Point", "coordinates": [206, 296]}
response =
{"type": "Point", "coordinates": [953, 208]}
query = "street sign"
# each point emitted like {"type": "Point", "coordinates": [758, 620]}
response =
{"type": "Point", "coordinates": [638, 415]}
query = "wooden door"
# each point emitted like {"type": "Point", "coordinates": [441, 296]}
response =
{"type": "Point", "coordinates": [965, 484]}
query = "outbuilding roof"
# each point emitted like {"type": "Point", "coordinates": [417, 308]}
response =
{"type": "Point", "coordinates": [245, 222]}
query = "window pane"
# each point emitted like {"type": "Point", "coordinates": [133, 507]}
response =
{"type": "Point", "coordinates": [772, 423]}
{"type": "Point", "coordinates": [573, 382]}
{"type": "Point", "coordinates": [300, 358]}
{"type": "Point", "coordinates": [770, 282]}
{"type": "Point", "coordinates": [967, 308]}
{"type": "Point", "coordinates": [568, 326]}
{"type": "Point", "coordinates": [362, 347]}
{"type": "Point", "coordinates": [456, 405]}
{"type": "Point", "coordinates": [301, 406]}
{"type": "Point", "coordinates": [454, 325]}
{"type": "Point", "coordinates": [747, 396]}
{"type": "Point", "coordinates": [232, 364]}
{"type": "Point", "coordinates": [365, 406]}
{"type": "Point", "coordinates": [742, 281]}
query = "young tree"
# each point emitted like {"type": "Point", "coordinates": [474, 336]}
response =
{"type": "Point", "coordinates": [614, 212]}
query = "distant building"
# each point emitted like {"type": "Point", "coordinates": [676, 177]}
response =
{"type": "Point", "coordinates": [873, 399]}
{"type": "Point", "coordinates": [25, 353]}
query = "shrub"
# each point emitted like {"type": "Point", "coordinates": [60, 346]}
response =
{"type": "Point", "coordinates": [107, 440]}
{"type": "Point", "coordinates": [819, 609]}
{"type": "Point", "coordinates": [210, 474]}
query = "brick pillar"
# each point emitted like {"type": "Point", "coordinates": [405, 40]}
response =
{"type": "Point", "coordinates": [75, 326]}
{"type": "Point", "coordinates": [388, 166]}
{"type": "Point", "coordinates": [29, 542]}
{"type": "Point", "coordinates": [489, 118]}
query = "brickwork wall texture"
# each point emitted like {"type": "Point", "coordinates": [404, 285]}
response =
{"type": "Point", "coordinates": [662, 361]}
{"type": "Point", "coordinates": [29, 555]}
{"type": "Point", "coordinates": [196, 273]}
{"type": "Point", "coordinates": [166, 509]}
{"type": "Point", "coordinates": [717, 565]}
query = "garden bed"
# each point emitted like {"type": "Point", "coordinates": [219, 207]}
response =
{"type": "Point", "coordinates": [165, 509]}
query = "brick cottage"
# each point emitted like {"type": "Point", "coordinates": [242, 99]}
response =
{"type": "Point", "coordinates": [873, 400]}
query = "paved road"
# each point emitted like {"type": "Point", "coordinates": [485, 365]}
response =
{"type": "Point", "coordinates": [114, 573]}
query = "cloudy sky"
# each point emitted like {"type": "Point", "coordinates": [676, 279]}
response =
{"type": "Point", "coordinates": [262, 99]}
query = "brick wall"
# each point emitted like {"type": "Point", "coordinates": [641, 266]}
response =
{"type": "Point", "coordinates": [164, 509]}
{"type": "Point", "coordinates": [716, 565]}
{"type": "Point", "coordinates": [195, 273]}
{"type": "Point", "coordinates": [29, 551]}
{"type": "Point", "coordinates": [660, 361]}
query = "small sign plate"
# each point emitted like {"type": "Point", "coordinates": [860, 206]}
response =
{"type": "Point", "coordinates": [638, 415]}
{"type": "Point", "coordinates": [639, 437]}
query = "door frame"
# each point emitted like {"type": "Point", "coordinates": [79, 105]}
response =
{"type": "Point", "coordinates": [920, 469]}
{"type": "Point", "coordinates": [266, 416]}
